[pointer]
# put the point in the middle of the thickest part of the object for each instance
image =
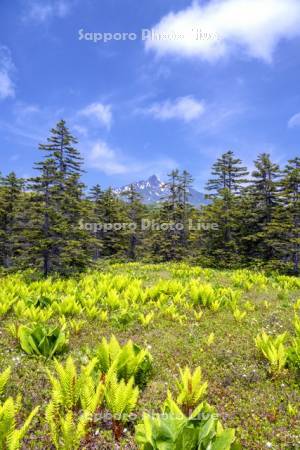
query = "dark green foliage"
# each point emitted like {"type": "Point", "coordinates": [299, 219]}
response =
{"type": "Point", "coordinates": [135, 212]}
{"type": "Point", "coordinates": [220, 243]}
{"type": "Point", "coordinates": [57, 241]}
{"type": "Point", "coordinates": [107, 211]}
{"type": "Point", "coordinates": [171, 238]}
{"type": "Point", "coordinates": [228, 174]}
{"type": "Point", "coordinates": [10, 210]}
{"type": "Point", "coordinates": [283, 232]}
{"type": "Point", "coordinates": [55, 228]}
{"type": "Point", "coordinates": [264, 195]}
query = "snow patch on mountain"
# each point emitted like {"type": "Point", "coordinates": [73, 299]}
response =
{"type": "Point", "coordinates": [153, 190]}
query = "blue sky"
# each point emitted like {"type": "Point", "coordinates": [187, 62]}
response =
{"type": "Point", "coordinates": [145, 106]}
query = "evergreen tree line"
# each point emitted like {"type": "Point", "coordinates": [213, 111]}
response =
{"type": "Point", "coordinates": [49, 223]}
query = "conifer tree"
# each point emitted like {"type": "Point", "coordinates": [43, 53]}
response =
{"type": "Point", "coordinates": [57, 237]}
{"type": "Point", "coordinates": [164, 239]}
{"type": "Point", "coordinates": [135, 212]}
{"type": "Point", "coordinates": [219, 240]}
{"type": "Point", "coordinates": [283, 232]}
{"type": "Point", "coordinates": [95, 215]}
{"type": "Point", "coordinates": [95, 195]}
{"type": "Point", "coordinates": [112, 217]}
{"type": "Point", "coordinates": [60, 148]}
{"type": "Point", "coordinates": [228, 174]}
{"type": "Point", "coordinates": [46, 227]}
{"type": "Point", "coordinates": [264, 193]}
{"type": "Point", "coordinates": [11, 191]}
{"type": "Point", "coordinates": [265, 186]}
{"type": "Point", "coordinates": [170, 240]}
{"type": "Point", "coordinates": [40, 218]}
{"type": "Point", "coordinates": [185, 183]}
{"type": "Point", "coordinates": [229, 177]}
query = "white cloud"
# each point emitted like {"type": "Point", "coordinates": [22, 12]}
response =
{"type": "Point", "coordinates": [30, 123]}
{"type": "Point", "coordinates": [41, 11]}
{"type": "Point", "coordinates": [80, 129]}
{"type": "Point", "coordinates": [7, 88]}
{"type": "Point", "coordinates": [183, 108]}
{"type": "Point", "coordinates": [62, 8]}
{"type": "Point", "coordinates": [110, 161]}
{"type": "Point", "coordinates": [24, 111]}
{"type": "Point", "coordinates": [254, 27]}
{"type": "Point", "coordinates": [105, 159]}
{"type": "Point", "coordinates": [102, 113]}
{"type": "Point", "coordinates": [220, 117]}
{"type": "Point", "coordinates": [294, 121]}
{"type": "Point", "coordinates": [26, 135]}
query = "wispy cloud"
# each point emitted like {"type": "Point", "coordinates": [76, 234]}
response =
{"type": "Point", "coordinates": [41, 11]}
{"type": "Point", "coordinates": [7, 87]}
{"type": "Point", "coordinates": [26, 136]}
{"type": "Point", "coordinates": [30, 123]}
{"type": "Point", "coordinates": [252, 27]}
{"type": "Point", "coordinates": [111, 161]}
{"type": "Point", "coordinates": [294, 121]}
{"type": "Point", "coordinates": [23, 111]}
{"type": "Point", "coordinates": [183, 108]}
{"type": "Point", "coordinates": [98, 111]}
{"type": "Point", "coordinates": [220, 117]}
{"type": "Point", "coordinates": [105, 159]}
{"type": "Point", "coordinates": [80, 129]}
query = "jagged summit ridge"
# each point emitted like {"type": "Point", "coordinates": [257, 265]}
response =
{"type": "Point", "coordinates": [153, 190]}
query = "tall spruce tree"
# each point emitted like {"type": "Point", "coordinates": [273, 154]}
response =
{"type": "Point", "coordinates": [135, 212]}
{"type": "Point", "coordinates": [265, 186]}
{"type": "Point", "coordinates": [112, 219]}
{"type": "Point", "coordinates": [170, 239]}
{"type": "Point", "coordinates": [57, 237]}
{"type": "Point", "coordinates": [185, 183]}
{"type": "Point", "coordinates": [11, 192]}
{"type": "Point", "coordinates": [219, 243]}
{"type": "Point", "coordinates": [283, 232]}
{"type": "Point", "coordinates": [40, 218]}
{"type": "Point", "coordinates": [228, 173]}
{"type": "Point", "coordinates": [60, 148]}
{"type": "Point", "coordinates": [264, 193]}
{"type": "Point", "coordinates": [95, 215]}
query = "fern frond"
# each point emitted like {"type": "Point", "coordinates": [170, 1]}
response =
{"type": "Point", "coordinates": [4, 377]}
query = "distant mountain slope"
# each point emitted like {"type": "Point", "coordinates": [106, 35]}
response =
{"type": "Point", "coordinates": [153, 189]}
